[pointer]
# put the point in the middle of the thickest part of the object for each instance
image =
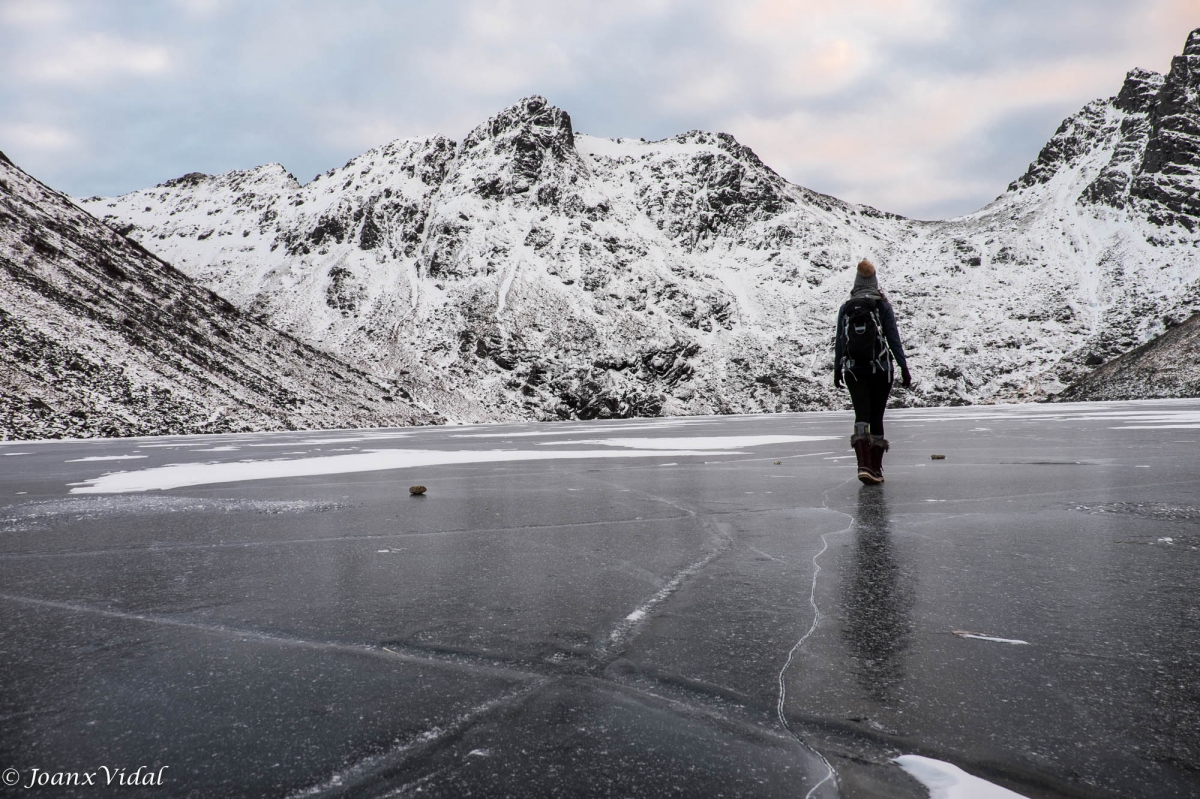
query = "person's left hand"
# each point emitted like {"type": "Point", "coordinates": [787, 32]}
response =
{"type": "Point", "coordinates": [905, 377]}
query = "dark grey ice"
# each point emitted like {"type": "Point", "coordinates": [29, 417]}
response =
{"type": "Point", "coordinates": [751, 621]}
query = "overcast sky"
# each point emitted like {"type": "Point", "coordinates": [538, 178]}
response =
{"type": "Point", "coordinates": [922, 107]}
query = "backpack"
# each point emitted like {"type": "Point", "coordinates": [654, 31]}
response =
{"type": "Point", "coordinates": [862, 337]}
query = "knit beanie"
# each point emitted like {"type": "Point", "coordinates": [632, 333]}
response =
{"type": "Point", "coordinates": [866, 284]}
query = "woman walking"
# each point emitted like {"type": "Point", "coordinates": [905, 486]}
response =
{"type": "Point", "coordinates": [866, 349]}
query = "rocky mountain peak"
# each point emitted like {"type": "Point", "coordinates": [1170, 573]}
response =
{"type": "Point", "coordinates": [529, 118]}
{"type": "Point", "coordinates": [1138, 91]}
{"type": "Point", "coordinates": [1141, 147]}
{"type": "Point", "coordinates": [1169, 174]}
{"type": "Point", "coordinates": [185, 181]}
{"type": "Point", "coordinates": [1193, 43]}
{"type": "Point", "coordinates": [522, 146]}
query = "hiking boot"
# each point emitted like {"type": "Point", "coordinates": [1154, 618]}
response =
{"type": "Point", "coordinates": [862, 448]}
{"type": "Point", "coordinates": [878, 447]}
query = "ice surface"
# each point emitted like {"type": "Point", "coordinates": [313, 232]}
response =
{"type": "Point", "coordinates": [662, 593]}
{"type": "Point", "coordinates": [948, 781]}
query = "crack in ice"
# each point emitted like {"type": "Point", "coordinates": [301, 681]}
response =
{"type": "Point", "coordinates": [780, 709]}
{"type": "Point", "coordinates": [368, 767]}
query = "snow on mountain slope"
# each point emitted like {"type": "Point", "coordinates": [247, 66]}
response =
{"type": "Point", "coordinates": [99, 337]}
{"type": "Point", "coordinates": [535, 272]}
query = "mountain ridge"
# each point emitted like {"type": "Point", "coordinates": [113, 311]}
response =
{"type": "Point", "coordinates": [101, 337]}
{"type": "Point", "coordinates": [534, 272]}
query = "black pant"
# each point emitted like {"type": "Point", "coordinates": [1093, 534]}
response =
{"type": "Point", "coordinates": [869, 393]}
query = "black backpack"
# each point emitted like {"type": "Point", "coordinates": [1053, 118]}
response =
{"type": "Point", "coordinates": [862, 336]}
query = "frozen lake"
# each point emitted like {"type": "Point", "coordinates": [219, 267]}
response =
{"type": "Point", "coordinates": [633, 608]}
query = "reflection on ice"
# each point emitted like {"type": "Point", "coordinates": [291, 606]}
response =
{"type": "Point", "coordinates": [878, 597]}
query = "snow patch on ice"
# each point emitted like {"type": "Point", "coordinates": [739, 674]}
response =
{"type": "Point", "coordinates": [307, 442]}
{"type": "Point", "coordinates": [40, 515]}
{"type": "Point", "coordinates": [699, 442]}
{"type": "Point", "coordinates": [947, 781]}
{"type": "Point", "coordinates": [177, 475]}
{"type": "Point", "coordinates": [575, 429]}
{"type": "Point", "coordinates": [107, 458]}
{"type": "Point", "coordinates": [1157, 427]}
{"type": "Point", "coordinates": [992, 638]}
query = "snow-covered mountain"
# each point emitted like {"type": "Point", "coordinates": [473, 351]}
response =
{"type": "Point", "coordinates": [99, 337]}
{"type": "Point", "coordinates": [530, 271]}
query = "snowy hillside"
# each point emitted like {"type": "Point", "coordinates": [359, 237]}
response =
{"type": "Point", "coordinates": [1167, 366]}
{"type": "Point", "coordinates": [534, 272]}
{"type": "Point", "coordinates": [98, 337]}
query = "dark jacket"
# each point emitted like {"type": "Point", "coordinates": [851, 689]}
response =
{"type": "Point", "coordinates": [887, 319]}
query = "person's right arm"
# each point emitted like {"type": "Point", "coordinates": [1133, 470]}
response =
{"type": "Point", "coordinates": [837, 348]}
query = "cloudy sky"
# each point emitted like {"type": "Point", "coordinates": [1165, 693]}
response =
{"type": "Point", "coordinates": [922, 107]}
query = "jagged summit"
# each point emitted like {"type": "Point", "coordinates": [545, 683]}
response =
{"type": "Point", "coordinates": [1138, 91]}
{"type": "Point", "coordinates": [1192, 47]}
{"type": "Point", "coordinates": [1148, 136]}
{"type": "Point", "coordinates": [531, 118]}
{"type": "Point", "coordinates": [525, 151]}
{"type": "Point", "coordinates": [1169, 174]}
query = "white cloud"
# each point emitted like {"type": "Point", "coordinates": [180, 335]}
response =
{"type": "Point", "coordinates": [509, 47]}
{"type": "Point", "coordinates": [804, 48]}
{"type": "Point", "coordinates": [204, 8]}
{"type": "Point", "coordinates": [33, 12]}
{"type": "Point", "coordinates": [38, 139]}
{"type": "Point", "coordinates": [891, 153]}
{"type": "Point", "coordinates": [95, 58]}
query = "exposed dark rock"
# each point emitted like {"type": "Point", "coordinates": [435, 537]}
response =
{"type": "Point", "coordinates": [536, 142]}
{"type": "Point", "coordinates": [189, 180]}
{"type": "Point", "coordinates": [1139, 90]}
{"type": "Point", "coordinates": [1076, 136]}
{"type": "Point", "coordinates": [1169, 175]}
{"type": "Point", "coordinates": [371, 235]}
